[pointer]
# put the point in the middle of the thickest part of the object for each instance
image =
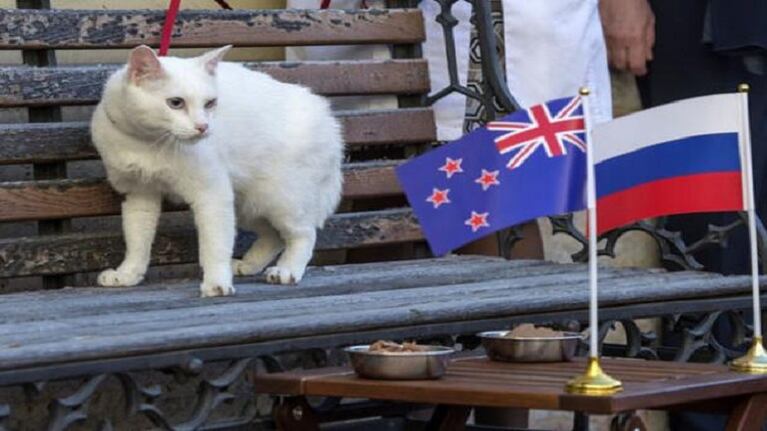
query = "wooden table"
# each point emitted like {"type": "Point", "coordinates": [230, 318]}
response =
{"type": "Point", "coordinates": [476, 381]}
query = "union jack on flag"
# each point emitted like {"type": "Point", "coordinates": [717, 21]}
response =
{"type": "Point", "coordinates": [470, 188]}
{"type": "Point", "coordinates": [541, 130]}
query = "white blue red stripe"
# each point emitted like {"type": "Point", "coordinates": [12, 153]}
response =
{"type": "Point", "coordinates": [678, 158]}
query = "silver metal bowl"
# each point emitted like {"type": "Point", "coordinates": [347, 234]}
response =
{"type": "Point", "coordinates": [429, 364]}
{"type": "Point", "coordinates": [529, 349]}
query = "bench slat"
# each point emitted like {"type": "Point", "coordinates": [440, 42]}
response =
{"type": "Point", "coordinates": [259, 303]}
{"type": "Point", "coordinates": [333, 280]}
{"type": "Point", "coordinates": [25, 86]}
{"type": "Point", "coordinates": [320, 281]}
{"type": "Point", "coordinates": [39, 29]}
{"type": "Point", "coordinates": [431, 299]}
{"type": "Point", "coordinates": [83, 252]}
{"type": "Point", "coordinates": [53, 199]}
{"type": "Point", "coordinates": [35, 143]}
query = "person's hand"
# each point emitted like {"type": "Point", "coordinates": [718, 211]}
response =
{"type": "Point", "coordinates": [629, 27]}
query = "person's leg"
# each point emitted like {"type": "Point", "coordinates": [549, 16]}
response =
{"type": "Point", "coordinates": [683, 67]}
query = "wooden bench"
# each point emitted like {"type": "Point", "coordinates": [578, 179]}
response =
{"type": "Point", "coordinates": [59, 228]}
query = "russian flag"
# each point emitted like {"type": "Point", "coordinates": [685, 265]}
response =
{"type": "Point", "coordinates": [683, 157]}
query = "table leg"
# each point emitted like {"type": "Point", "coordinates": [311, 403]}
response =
{"type": "Point", "coordinates": [627, 422]}
{"type": "Point", "coordinates": [580, 421]}
{"type": "Point", "coordinates": [295, 414]}
{"type": "Point", "coordinates": [501, 417]}
{"type": "Point", "coordinates": [449, 418]}
{"type": "Point", "coordinates": [749, 415]}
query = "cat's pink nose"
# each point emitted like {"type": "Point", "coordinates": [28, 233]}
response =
{"type": "Point", "coordinates": [202, 128]}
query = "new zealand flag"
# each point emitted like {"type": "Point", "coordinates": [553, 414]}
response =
{"type": "Point", "coordinates": [529, 164]}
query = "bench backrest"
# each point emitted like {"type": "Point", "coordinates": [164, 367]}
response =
{"type": "Point", "coordinates": [61, 222]}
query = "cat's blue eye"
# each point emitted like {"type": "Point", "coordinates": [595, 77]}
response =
{"type": "Point", "coordinates": [210, 104]}
{"type": "Point", "coordinates": [175, 103]}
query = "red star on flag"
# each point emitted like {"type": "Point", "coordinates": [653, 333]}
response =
{"type": "Point", "coordinates": [451, 166]}
{"type": "Point", "coordinates": [439, 197]}
{"type": "Point", "coordinates": [477, 220]}
{"type": "Point", "coordinates": [488, 179]}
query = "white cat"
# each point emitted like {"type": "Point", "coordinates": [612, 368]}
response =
{"type": "Point", "coordinates": [230, 142]}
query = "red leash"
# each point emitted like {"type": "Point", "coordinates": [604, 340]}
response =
{"type": "Point", "coordinates": [167, 27]}
{"type": "Point", "coordinates": [223, 4]}
{"type": "Point", "coordinates": [170, 19]}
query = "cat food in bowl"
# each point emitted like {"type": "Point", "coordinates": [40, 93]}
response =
{"type": "Point", "coordinates": [387, 360]}
{"type": "Point", "coordinates": [528, 343]}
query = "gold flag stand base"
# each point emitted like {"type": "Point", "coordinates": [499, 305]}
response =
{"type": "Point", "coordinates": [754, 361]}
{"type": "Point", "coordinates": [594, 381]}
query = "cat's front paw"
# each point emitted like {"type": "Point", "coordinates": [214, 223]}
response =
{"type": "Point", "coordinates": [282, 275]}
{"type": "Point", "coordinates": [209, 289]}
{"type": "Point", "coordinates": [114, 277]}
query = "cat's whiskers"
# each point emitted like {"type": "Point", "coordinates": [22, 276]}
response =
{"type": "Point", "coordinates": [163, 136]}
{"type": "Point", "coordinates": [176, 146]}
{"type": "Point", "coordinates": [169, 144]}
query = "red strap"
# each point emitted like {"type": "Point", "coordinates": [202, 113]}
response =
{"type": "Point", "coordinates": [167, 27]}
{"type": "Point", "coordinates": [325, 4]}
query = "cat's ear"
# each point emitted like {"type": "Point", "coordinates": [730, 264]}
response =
{"type": "Point", "coordinates": [143, 64]}
{"type": "Point", "coordinates": [210, 59]}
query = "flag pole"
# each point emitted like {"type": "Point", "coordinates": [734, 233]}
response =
{"type": "Point", "coordinates": [755, 360]}
{"type": "Point", "coordinates": [594, 381]}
